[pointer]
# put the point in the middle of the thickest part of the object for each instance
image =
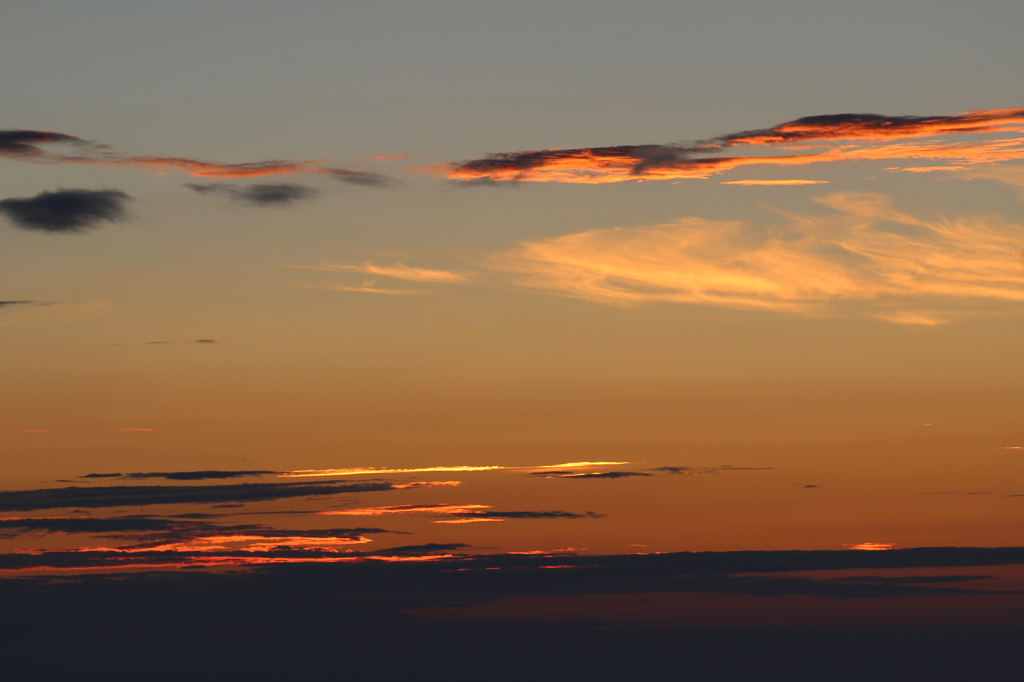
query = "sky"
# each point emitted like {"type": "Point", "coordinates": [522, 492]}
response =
{"type": "Point", "coordinates": [392, 281]}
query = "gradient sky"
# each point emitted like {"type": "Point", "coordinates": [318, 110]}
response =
{"type": "Point", "coordinates": [828, 347]}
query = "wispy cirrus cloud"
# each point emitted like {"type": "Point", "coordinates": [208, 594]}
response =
{"type": "Point", "coordinates": [397, 271]}
{"type": "Point", "coordinates": [813, 139]}
{"type": "Point", "coordinates": [49, 147]}
{"type": "Point", "coordinates": [66, 210]}
{"type": "Point", "coordinates": [904, 268]}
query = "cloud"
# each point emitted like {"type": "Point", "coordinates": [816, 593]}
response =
{"type": "Point", "coordinates": [185, 475]}
{"type": "Point", "coordinates": [359, 471]}
{"type": "Point", "coordinates": [880, 137]}
{"type": "Point", "coordinates": [351, 177]}
{"type": "Point", "coordinates": [137, 496]}
{"type": "Point", "coordinates": [866, 251]}
{"type": "Point", "coordinates": [576, 474]}
{"type": "Point", "coordinates": [467, 511]}
{"type": "Point", "coordinates": [66, 210]}
{"type": "Point", "coordinates": [706, 471]}
{"type": "Point", "coordinates": [281, 194]}
{"type": "Point", "coordinates": [775, 182]}
{"type": "Point", "coordinates": [4, 304]}
{"type": "Point", "coordinates": [397, 271]}
{"type": "Point", "coordinates": [34, 146]}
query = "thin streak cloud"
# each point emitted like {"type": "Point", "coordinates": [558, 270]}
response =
{"type": "Point", "coordinates": [359, 471]}
{"type": "Point", "coordinates": [397, 271]}
{"type": "Point", "coordinates": [36, 146]}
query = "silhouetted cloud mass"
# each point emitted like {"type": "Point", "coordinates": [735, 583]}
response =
{"type": "Point", "coordinates": [281, 194]}
{"type": "Point", "coordinates": [66, 210]}
{"type": "Point", "coordinates": [4, 304]}
{"type": "Point", "coordinates": [137, 496]}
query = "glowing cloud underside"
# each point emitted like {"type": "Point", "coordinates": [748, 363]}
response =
{"type": "Point", "coordinates": [866, 251]}
{"type": "Point", "coordinates": [813, 139]}
{"type": "Point", "coordinates": [304, 473]}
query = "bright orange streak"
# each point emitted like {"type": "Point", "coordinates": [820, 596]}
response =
{"type": "Point", "coordinates": [872, 546]}
{"type": "Point", "coordinates": [220, 543]}
{"type": "Point", "coordinates": [775, 182]}
{"type": "Point", "coordinates": [427, 484]}
{"type": "Point", "coordinates": [303, 473]}
{"type": "Point", "coordinates": [469, 521]}
{"type": "Point", "coordinates": [410, 509]}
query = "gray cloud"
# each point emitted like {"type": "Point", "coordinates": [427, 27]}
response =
{"type": "Point", "coordinates": [66, 210]}
{"type": "Point", "coordinates": [280, 194]}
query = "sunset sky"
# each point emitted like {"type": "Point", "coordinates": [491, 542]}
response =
{"type": "Point", "coordinates": [387, 281]}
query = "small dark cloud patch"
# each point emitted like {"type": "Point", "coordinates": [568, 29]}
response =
{"type": "Point", "coordinates": [205, 341]}
{"type": "Point", "coordinates": [351, 177]}
{"type": "Point", "coordinates": [24, 143]}
{"type": "Point", "coordinates": [4, 304]}
{"type": "Point", "coordinates": [811, 485]}
{"type": "Point", "coordinates": [66, 210]}
{"type": "Point", "coordinates": [280, 194]}
{"type": "Point", "coordinates": [102, 476]}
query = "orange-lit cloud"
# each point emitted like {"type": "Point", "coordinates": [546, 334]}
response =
{"type": "Point", "coordinates": [866, 250]}
{"type": "Point", "coordinates": [470, 520]}
{"type": "Point", "coordinates": [302, 473]}
{"type": "Point", "coordinates": [426, 484]}
{"type": "Point", "coordinates": [397, 271]}
{"type": "Point", "coordinates": [775, 182]}
{"type": "Point", "coordinates": [35, 146]}
{"type": "Point", "coordinates": [814, 138]}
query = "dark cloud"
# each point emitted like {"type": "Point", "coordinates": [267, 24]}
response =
{"type": "Point", "coordinates": [281, 194]}
{"type": "Point", "coordinates": [205, 341]}
{"type": "Point", "coordinates": [419, 550]}
{"type": "Point", "coordinates": [185, 475]}
{"type": "Point", "coordinates": [352, 177]}
{"type": "Point", "coordinates": [703, 471]}
{"type": "Point", "coordinates": [595, 474]}
{"type": "Point", "coordinates": [66, 210]}
{"type": "Point", "coordinates": [25, 143]}
{"type": "Point", "coordinates": [138, 496]}
{"type": "Point", "coordinates": [4, 304]}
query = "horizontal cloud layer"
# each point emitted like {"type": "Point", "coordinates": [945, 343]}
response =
{"type": "Point", "coordinates": [258, 195]}
{"type": "Point", "coordinates": [869, 136]}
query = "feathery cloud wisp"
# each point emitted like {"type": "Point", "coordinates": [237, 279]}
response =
{"type": "Point", "coordinates": [804, 265]}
